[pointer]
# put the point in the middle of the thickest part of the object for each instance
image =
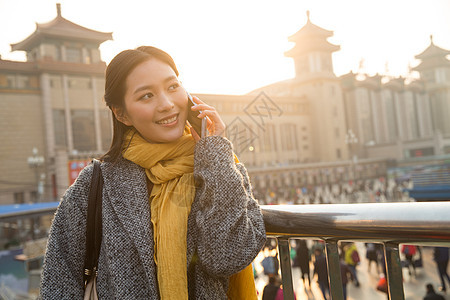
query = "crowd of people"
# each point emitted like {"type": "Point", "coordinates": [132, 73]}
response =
{"type": "Point", "coordinates": [369, 190]}
{"type": "Point", "coordinates": [309, 257]}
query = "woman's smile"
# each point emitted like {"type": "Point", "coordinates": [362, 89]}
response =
{"type": "Point", "coordinates": [169, 121]}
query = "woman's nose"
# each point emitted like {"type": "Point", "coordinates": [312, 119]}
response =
{"type": "Point", "coordinates": [165, 103]}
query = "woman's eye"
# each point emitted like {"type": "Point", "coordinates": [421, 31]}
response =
{"type": "Point", "coordinates": [174, 86]}
{"type": "Point", "coordinates": [146, 96]}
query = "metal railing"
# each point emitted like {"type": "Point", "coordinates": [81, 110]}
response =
{"type": "Point", "coordinates": [388, 223]}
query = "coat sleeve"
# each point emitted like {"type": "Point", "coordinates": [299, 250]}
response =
{"type": "Point", "coordinates": [229, 222]}
{"type": "Point", "coordinates": [62, 274]}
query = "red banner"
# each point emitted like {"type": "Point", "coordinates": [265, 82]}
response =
{"type": "Point", "coordinates": [75, 167]}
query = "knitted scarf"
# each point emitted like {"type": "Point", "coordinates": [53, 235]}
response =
{"type": "Point", "coordinates": [170, 167]}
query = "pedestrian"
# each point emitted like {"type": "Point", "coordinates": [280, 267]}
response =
{"type": "Point", "coordinates": [302, 260]}
{"type": "Point", "coordinates": [170, 199]}
{"type": "Point", "coordinates": [372, 256]}
{"type": "Point", "coordinates": [352, 259]}
{"type": "Point", "coordinates": [321, 269]}
{"type": "Point", "coordinates": [271, 289]}
{"type": "Point", "coordinates": [345, 274]}
{"type": "Point", "coordinates": [441, 256]}
{"type": "Point", "coordinates": [269, 265]}
{"type": "Point", "coordinates": [280, 294]}
{"type": "Point", "coordinates": [431, 294]}
{"type": "Point", "coordinates": [409, 251]}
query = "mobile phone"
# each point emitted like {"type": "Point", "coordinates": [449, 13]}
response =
{"type": "Point", "coordinates": [198, 124]}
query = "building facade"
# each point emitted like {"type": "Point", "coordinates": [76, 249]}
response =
{"type": "Point", "coordinates": [289, 133]}
{"type": "Point", "coordinates": [316, 82]}
{"type": "Point", "coordinates": [400, 118]}
{"type": "Point", "coordinates": [51, 103]}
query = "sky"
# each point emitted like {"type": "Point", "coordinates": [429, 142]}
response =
{"type": "Point", "coordinates": [235, 46]}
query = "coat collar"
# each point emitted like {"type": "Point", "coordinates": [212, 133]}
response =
{"type": "Point", "coordinates": [126, 188]}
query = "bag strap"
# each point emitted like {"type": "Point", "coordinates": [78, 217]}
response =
{"type": "Point", "coordinates": [94, 223]}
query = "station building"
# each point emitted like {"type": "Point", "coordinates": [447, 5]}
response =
{"type": "Point", "coordinates": [293, 132]}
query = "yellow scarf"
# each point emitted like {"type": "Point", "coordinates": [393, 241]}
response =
{"type": "Point", "coordinates": [170, 167]}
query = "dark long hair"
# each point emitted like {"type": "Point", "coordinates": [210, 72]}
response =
{"type": "Point", "coordinates": [115, 87]}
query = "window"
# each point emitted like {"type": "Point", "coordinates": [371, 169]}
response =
{"type": "Point", "coordinates": [73, 55]}
{"type": "Point", "coordinates": [79, 83]}
{"type": "Point", "coordinates": [338, 153]}
{"type": "Point", "coordinates": [23, 82]}
{"type": "Point", "coordinates": [59, 125]}
{"type": "Point", "coordinates": [11, 81]}
{"type": "Point", "coordinates": [285, 139]}
{"type": "Point", "coordinates": [19, 198]}
{"type": "Point", "coordinates": [3, 81]}
{"type": "Point", "coordinates": [336, 132]}
{"type": "Point", "coordinates": [83, 130]}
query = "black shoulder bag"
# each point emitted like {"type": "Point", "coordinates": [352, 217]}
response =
{"type": "Point", "coordinates": [93, 232]}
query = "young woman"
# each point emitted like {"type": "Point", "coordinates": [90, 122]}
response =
{"type": "Point", "coordinates": [179, 217]}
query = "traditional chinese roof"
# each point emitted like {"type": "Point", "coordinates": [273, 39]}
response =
{"type": "Point", "coordinates": [433, 56]}
{"type": "Point", "coordinates": [311, 38]}
{"type": "Point", "coordinates": [432, 51]}
{"type": "Point", "coordinates": [61, 28]}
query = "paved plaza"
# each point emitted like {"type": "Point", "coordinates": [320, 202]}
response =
{"type": "Point", "coordinates": [414, 286]}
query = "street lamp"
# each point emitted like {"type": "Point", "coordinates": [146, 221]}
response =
{"type": "Point", "coordinates": [351, 140]}
{"type": "Point", "coordinates": [35, 162]}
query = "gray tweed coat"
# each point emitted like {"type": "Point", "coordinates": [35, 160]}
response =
{"type": "Point", "coordinates": [225, 230]}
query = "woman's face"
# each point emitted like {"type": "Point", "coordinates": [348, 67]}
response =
{"type": "Point", "coordinates": [155, 102]}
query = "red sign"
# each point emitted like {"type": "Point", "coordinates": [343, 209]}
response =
{"type": "Point", "coordinates": [75, 167]}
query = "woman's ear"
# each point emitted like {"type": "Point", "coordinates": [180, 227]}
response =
{"type": "Point", "coordinates": [121, 115]}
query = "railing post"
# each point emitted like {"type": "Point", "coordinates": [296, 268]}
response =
{"type": "Point", "coordinates": [334, 270]}
{"type": "Point", "coordinates": [394, 271]}
{"type": "Point", "coordinates": [286, 273]}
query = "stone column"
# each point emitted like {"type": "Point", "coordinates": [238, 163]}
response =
{"type": "Point", "coordinates": [48, 115]}
{"type": "Point", "coordinates": [69, 133]}
{"type": "Point", "coordinates": [98, 133]}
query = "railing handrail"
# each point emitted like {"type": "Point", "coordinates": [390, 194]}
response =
{"type": "Point", "coordinates": [401, 222]}
{"type": "Point", "coordinates": [420, 223]}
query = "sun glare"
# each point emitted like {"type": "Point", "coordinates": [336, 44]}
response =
{"type": "Point", "coordinates": [234, 46]}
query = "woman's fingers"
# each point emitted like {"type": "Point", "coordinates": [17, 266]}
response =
{"type": "Point", "coordinates": [215, 125]}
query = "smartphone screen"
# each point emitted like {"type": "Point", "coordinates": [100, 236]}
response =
{"type": "Point", "coordinates": [195, 122]}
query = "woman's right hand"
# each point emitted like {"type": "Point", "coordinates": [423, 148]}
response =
{"type": "Point", "coordinates": [215, 125]}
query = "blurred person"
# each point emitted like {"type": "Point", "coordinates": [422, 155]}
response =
{"type": "Point", "coordinates": [302, 260]}
{"type": "Point", "coordinates": [346, 273]}
{"type": "Point", "coordinates": [441, 256]}
{"type": "Point", "coordinates": [163, 199]}
{"type": "Point", "coordinates": [269, 265]}
{"type": "Point", "coordinates": [271, 289]}
{"type": "Point", "coordinates": [372, 256]}
{"type": "Point", "coordinates": [280, 294]}
{"type": "Point", "coordinates": [431, 294]}
{"type": "Point", "coordinates": [321, 269]}
{"type": "Point", "coordinates": [352, 260]}
{"type": "Point", "coordinates": [409, 251]}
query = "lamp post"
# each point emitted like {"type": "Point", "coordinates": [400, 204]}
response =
{"type": "Point", "coordinates": [351, 140]}
{"type": "Point", "coordinates": [35, 162]}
